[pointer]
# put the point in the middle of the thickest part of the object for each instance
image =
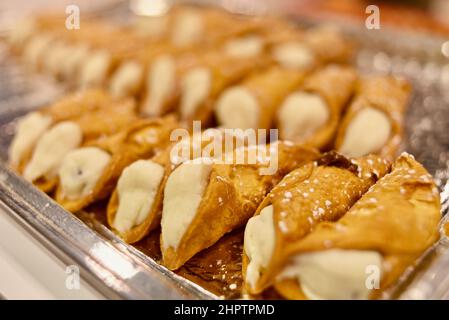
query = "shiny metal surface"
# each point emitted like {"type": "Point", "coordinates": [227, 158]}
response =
{"type": "Point", "coordinates": [121, 271]}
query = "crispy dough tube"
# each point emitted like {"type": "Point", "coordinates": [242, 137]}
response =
{"type": "Point", "coordinates": [253, 102]}
{"type": "Point", "coordinates": [217, 198]}
{"type": "Point", "coordinates": [213, 72]}
{"type": "Point", "coordinates": [129, 78]}
{"type": "Point", "coordinates": [261, 38]}
{"type": "Point", "coordinates": [329, 45]}
{"type": "Point", "coordinates": [314, 47]}
{"type": "Point", "coordinates": [31, 127]}
{"type": "Point", "coordinates": [140, 184]}
{"type": "Point", "coordinates": [166, 71]}
{"type": "Point", "coordinates": [311, 114]}
{"type": "Point", "coordinates": [43, 163]}
{"type": "Point", "coordinates": [135, 206]}
{"type": "Point", "coordinates": [74, 105]}
{"type": "Point", "coordinates": [25, 29]}
{"type": "Point", "coordinates": [65, 49]}
{"type": "Point", "coordinates": [321, 191]}
{"type": "Point", "coordinates": [394, 223]}
{"type": "Point", "coordinates": [101, 62]}
{"type": "Point", "coordinates": [163, 74]}
{"type": "Point", "coordinates": [81, 182]}
{"type": "Point", "coordinates": [161, 81]}
{"type": "Point", "coordinates": [374, 121]}
{"type": "Point", "coordinates": [207, 26]}
{"type": "Point", "coordinates": [61, 51]}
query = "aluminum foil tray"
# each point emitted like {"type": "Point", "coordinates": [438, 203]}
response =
{"type": "Point", "coordinates": [119, 270]}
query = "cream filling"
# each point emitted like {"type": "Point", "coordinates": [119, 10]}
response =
{"type": "Point", "coordinates": [259, 244]}
{"type": "Point", "coordinates": [336, 273]}
{"type": "Point", "coordinates": [152, 26]}
{"type": "Point", "coordinates": [160, 84]}
{"type": "Point", "coordinates": [237, 108]}
{"type": "Point", "coordinates": [29, 129]}
{"type": "Point", "coordinates": [182, 196]}
{"type": "Point", "coordinates": [35, 49]}
{"type": "Point", "coordinates": [188, 28]}
{"type": "Point", "coordinates": [51, 149]}
{"type": "Point", "coordinates": [195, 88]}
{"type": "Point", "coordinates": [55, 58]}
{"type": "Point", "coordinates": [244, 47]}
{"type": "Point", "coordinates": [301, 115]}
{"type": "Point", "coordinates": [80, 170]}
{"type": "Point", "coordinates": [293, 55]}
{"type": "Point", "coordinates": [77, 54]}
{"type": "Point", "coordinates": [126, 79]}
{"type": "Point", "coordinates": [94, 69]}
{"type": "Point", "coordinates": [21, 32]}
{"type": "Point", "coordinates": [368, 132]}
{"type": "Point", "coordinates": [137, 189]}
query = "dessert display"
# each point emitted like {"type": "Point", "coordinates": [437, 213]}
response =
{"type": "Point", "coordinates": [309, 214]}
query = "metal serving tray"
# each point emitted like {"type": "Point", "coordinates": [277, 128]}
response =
{"type": "Point", "coordinates": [119, 270]}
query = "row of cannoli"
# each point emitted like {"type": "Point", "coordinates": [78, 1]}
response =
{"type": "Point", "coordinates": [349, 238]}
{"type": "Point", "coordinates": [313, 109]}
{"type": "Point", "coordinates": [201, 53]}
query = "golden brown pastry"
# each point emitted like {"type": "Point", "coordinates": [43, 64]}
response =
{"type": "Point", "coordinates": [31, 127]}
{"type": "Point", "coordinates": [307, 196]}
{"type": "Point", "coordinates": [374, 120]}
{"type": "Point", "coordinates": [210, 74]}
{"type": "Point", "coordinates": [311, 114]}
{"type": "Point", "coordinates": [90, 173]}
{"type": "Point", "coordinates": [134, 208]}
{"type": "Point", "coordinates": [203, 201]}
{"type": "Point", "coordinates": [187, 30]}
{"type": "Point", "coordinates": [253, 103]}
{"type": "Point", "coordinates": [39, 158]}
{"type": "Point", "coordinates": [313, 48]}
{"type": "Point", "coordinates": [368, 249]}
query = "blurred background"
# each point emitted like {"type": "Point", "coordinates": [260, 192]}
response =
{"type": "Point", "coordinates": [416, 15]}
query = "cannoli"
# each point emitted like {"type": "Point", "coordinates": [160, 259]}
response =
{"type": "Point", "coordinates": [201, 84]}
{"type": "Point", "coordinates": [21, 33]}
{"type": "Point", "coordinates": [207, 26]}
{"type": "Point", "coordinates": [317, 46]}
{"type": "Point", "coordinates": [262, 38]}
{"type": "Point", "coordinates": [374, 120]}
{"type": "Point", "coordinates": [372, 245]}
{"type": "Point", "coordinates": [57, 50]}
{"type": "Point", "coordinates": [83, 181]}
{"type": "Point", "coordinates": [204, 200]}
{"type": "Point", "coordinates": [311, 115]}
{"type": "Point", "coordinates": [253, 103]}
{"type": "Point", "coordinates": [163, 76]}
{"type": "Point", "coordinates": [307, 196]}
{"type": "Point", "coordinates": [55, 143]}
{"type": "Point", "coordinates": [31, 127]}
{"type": "Point", "coordinates": [103, 60]}
{"type": "Point", "coordinates": [156, 69]}
{"type": "Point", "coordinates": [169, 74]}
{"type": "Point", "coordinates": [134, 208]}
{"type": "Point", "coordinates": [128, 79]}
